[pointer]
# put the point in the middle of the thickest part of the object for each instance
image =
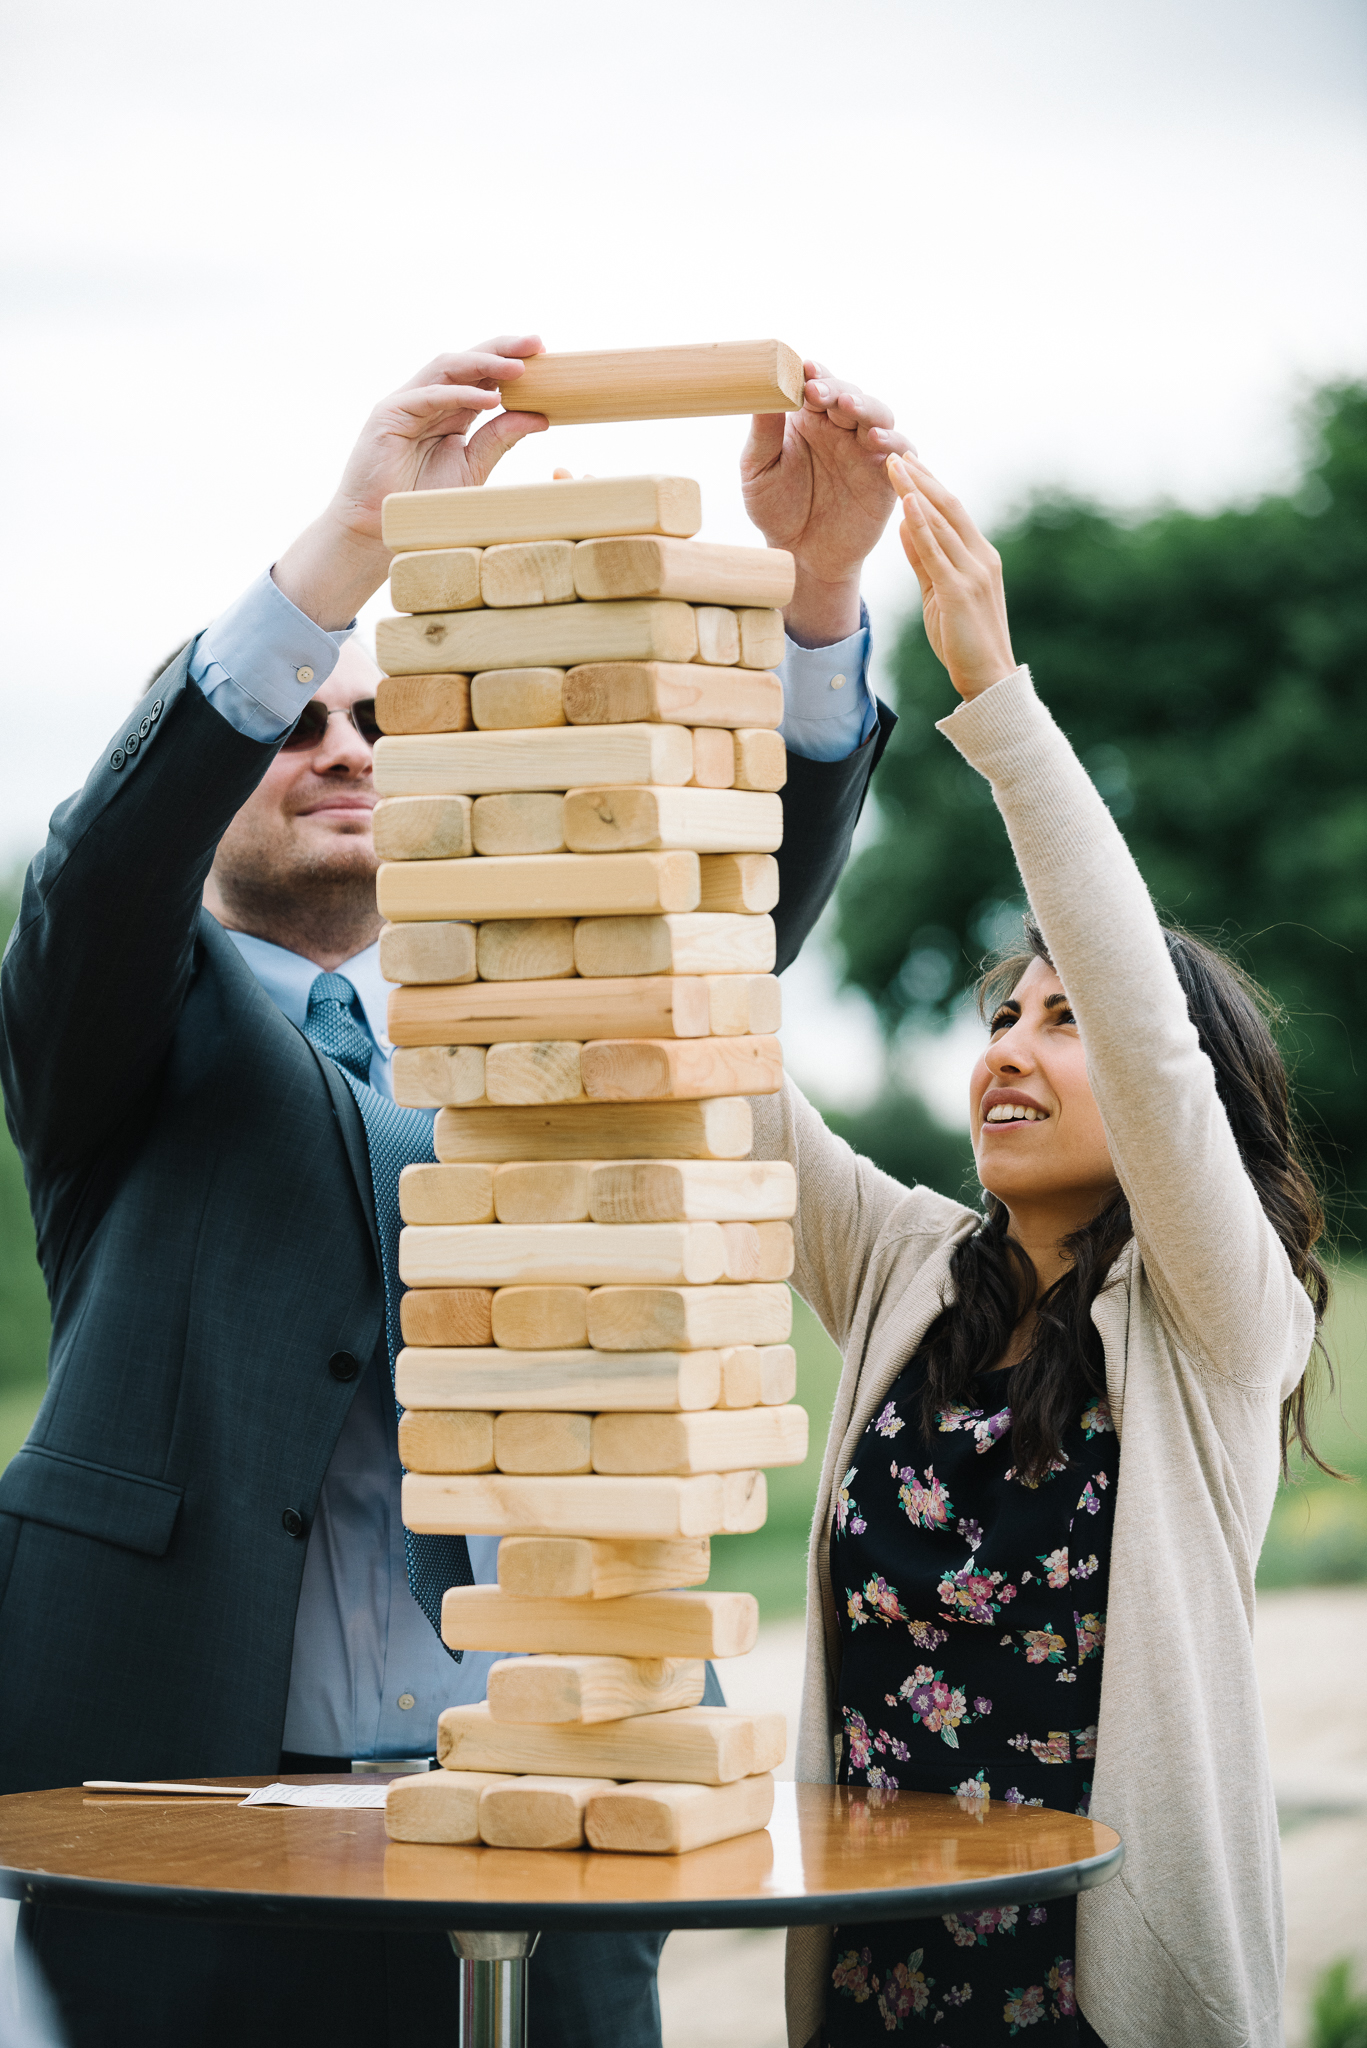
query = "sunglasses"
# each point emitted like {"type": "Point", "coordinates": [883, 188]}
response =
{"type": "Point", "coordinates": [313, 723]}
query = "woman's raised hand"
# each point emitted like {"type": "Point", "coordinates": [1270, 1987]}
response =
{"type": "Point", "coordinates": [962, 598]}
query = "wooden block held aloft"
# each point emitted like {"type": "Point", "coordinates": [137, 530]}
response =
{"type": "Point", "coordinates": [688, 1318]}
{"type": "Point", "coordinates": [695, 1745]}
{"type": "Point", "coordinates": [447, 1194]}
{"type": "Point", "coordinates": [555, 635]}
{"type": "Point", "coordinates": [761, 760]}
{"type": "Point", "coordinates": [530, 821]}
{"type": "Point", "coordinates": [541, 1318]}
{"type": "Point", "coordinates": [720, 1129]}
{"type": "Point", "coordinates": [533, 1191]}
{"type": "Point", "coordinates": [672, 1819]}
{"type": "Point", "coordinates": [506, 1504]}
{"type": "Point", "coordinates": [450, 1440]}
{"type": "Point", "coordinates": [615, 820]}
{"type": "Point", "coordinates": [548, 1690]}
{"type": "Point", "coordinates": [663, 1190]}
{"type": "Point", "coordinates": [578, 1568]}
{"type": "Point", "coordinates": [565, 1380]}
{"type": "Point", "coordinates": [700, 572]}
{"type": "Point", "coordinates": [674, 1624]}
{"type": "Point", "coordinates": [615, 885]}
{"type": "Point", "coordinates": [437, 1806]}
{"type": "Point", "coordinates": [487, 1013]}
{"type": "Point", "coordinates": [743, 884]}
{"type": "Point", "coordinates": [700, 380]}
{"type": "Point", "coordinates": [537, 1812]}
{"type": "Point", "coordinates": [561, 1254]}
{"type": "Point", "coordinates": [528, 572]}
{"type": "Point", "coordinates": [714, 758]}
{"type": "Point", "coordinates": [718, 635]}
{"type": "Point", "coordinates": [538, 1070]}
{"type": "Point", "coordinates": [570, 509]}
{"type": "Point", "coordinates": [428, 703]}
{"type": "Point", "coordinates": [552, 757]}
{"type": "Point", "coordinates": [670, 693]}
{"type": "Point", "coordinates": [437, 580]}
{"type": "Point", "coordinates": [429, 952]}
{"type": "Point", "coordinates": [423, 828]}
{"type": "Point", "coordinates": [757, 1374]}
{"type": "Point", "coordinates": [458, 1316]}
{"type": "Point", "coordinates": [434, 1076]}
{"type": "Point", "coordinates": [525, 949]}
{"type": "Point", "coordinates": [713, 1440]}
{"type": "Point", "coordinates": [697, 942]}
{"type": "Point", "coordinates": [762, 642]}
{"type": "Point", "coordinates": [679, 1069]}
{"type": "Point", "coordinates": [535, 1440]}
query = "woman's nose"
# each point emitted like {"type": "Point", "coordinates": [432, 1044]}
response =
{"type": "Point", "coordinates": [1010, 1053]}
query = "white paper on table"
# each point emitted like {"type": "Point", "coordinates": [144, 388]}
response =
{"type": "Point", "coordinates": [316, 1795]}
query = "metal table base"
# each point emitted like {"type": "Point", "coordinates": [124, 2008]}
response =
{"type": "Point", "coordinates": [493, 1988]}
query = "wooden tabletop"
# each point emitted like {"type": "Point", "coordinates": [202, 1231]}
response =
{"type": "Point", "coordinates": [827, 1856]}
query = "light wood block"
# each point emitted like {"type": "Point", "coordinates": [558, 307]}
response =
{"type": "Point", "coordinates": [713, 1440]}
{"type": "Point", "coordinates": [537, 1812]}
{"type": "Point", "coordinates": [695, 1745]}
{"type": "Point", "coordinates": [762, 644]}
{"type": "Point", "coordinates": [744, 884]}
{"type": "Point", "coordinates": [460, 1316]}
{"type": "Point", "coordinates": [705, 820]}
{"type": "Point", "coordinates": [670, 1820]}
{"type": "Point", "coordinates": [488, 1013]}
{"type": "Point", "coordinates": [528, 572]}
{"type": "Point", "coordinates": [453, 1440]}
{"type": "Point", "coordinates": [553, 757]}
{"type": "Point", "coordinates": [541, 1319]}
{"type": "Point", "coordinates": [693, 1190]}
{"type": "Point", "coordinates": [673, 1624]}
{"type": "Point", "coordinates": [700, 380]}
{"type": "Point", "coordinates": [741, 1004]}
{"type": "Point", "coordinates": [577, 1568]}
{"type": "Point", "coordinates": [542, 885]}
{"type": "Point", "coordinates": [440, 580]}
{"type": "Point", "coordinates": [755, 1374]}
{"type": "Point", "coordinates": [562, 1380]}
{"type": "Point", "coordinates": [714, 758]}
{"type": "Point", "coordinates": [532, 636]}
{"type": "Point", "coordinates": [525, 949]}
{"type": "Point", "coordinates": [514, 699]}
{"type": "Point", "coordinates": [698, 942]}
{"type": "Point", "coordinates": [672, 693]}
{"type": "Point", "coordinates": [680, 1069]}
{"type": "Point", "coordinates": [423, 828]}
{"type": "Point", "coordinates": [432, 1076]}
{"type": "Point", "coordinates": [535, 1191]}
{"type": "Point", "coordinates": [549, 1690]}
{"type": "Point", "coordinates": [688, 1318]}
{"type": "Point", "coordinates": [700, 572]}
{"type": "Point", "coordinates": [718, 635]}
{"type": "Point", "coordinates": [437, 1806]}
{"type": "Point", "coordinates": [561, 1254]}
{"type": "Point", "coordinates": [572, 509]}
{"type": "Point", "coordinates": [720, 1129]}
{"type": "Point", "coordinates": [428, 703]}
{"type": "Point", "coordinates": [531, 821]}
{"type": "Point", "coordinates": [758, 1251]}
{"type": "Point", "coordinates": [429, 952]}
{"type": "Point", "coordinates": [533, 1440]}
{"type": "Point", "coordinates": [505, 1504]}
{"type": "Point", "coordinates": [541, 1070]}
{"type": "Point", "coordinates": [447, 1194]}
{"type": "Point", "coordinates": [761, 761]}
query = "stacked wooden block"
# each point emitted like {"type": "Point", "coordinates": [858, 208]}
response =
{"type": "Point", "coordinates": [577, 825]}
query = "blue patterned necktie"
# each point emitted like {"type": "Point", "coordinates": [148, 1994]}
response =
{"type": "Point", "coordinates": [395, 1137]}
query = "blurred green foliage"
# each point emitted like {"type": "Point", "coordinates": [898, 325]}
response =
{"type": "Point", "coordinates": [1338, 2014]}
{"type": "Point", "coordinates": [23, 1298]}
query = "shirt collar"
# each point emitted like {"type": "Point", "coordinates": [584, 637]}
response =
{"type": "Point", "coordinates": [287, 978]}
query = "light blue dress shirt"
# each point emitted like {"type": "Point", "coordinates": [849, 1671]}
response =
{"type": "Point", "coordinates": [368, 1676]}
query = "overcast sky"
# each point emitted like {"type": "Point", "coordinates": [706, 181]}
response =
{"type": "Point", "coordinates": [1108, 247]}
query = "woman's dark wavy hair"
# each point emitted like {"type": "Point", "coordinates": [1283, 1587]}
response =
{"type": "Point", "coordinates": [994, 1278]}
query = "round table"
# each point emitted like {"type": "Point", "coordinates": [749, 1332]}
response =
{"type": "Point", "coordinates": [829, 1855]}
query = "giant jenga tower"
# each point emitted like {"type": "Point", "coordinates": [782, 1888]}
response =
{"type": "Point", "coordinates": [577, 827]}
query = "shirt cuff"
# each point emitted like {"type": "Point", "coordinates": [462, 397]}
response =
{"type": "Point", "coordinates": [828, 708]}
{"type": "Point", "coordinates": [262, 659]}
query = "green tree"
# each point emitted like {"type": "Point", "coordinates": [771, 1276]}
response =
{"type": "Point", "coordinates": [1212, 672]}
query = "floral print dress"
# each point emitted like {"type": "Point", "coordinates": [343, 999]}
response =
{"type": "Point", "coordinates": [973, 1624]}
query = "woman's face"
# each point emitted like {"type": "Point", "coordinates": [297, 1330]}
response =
{"type": "Point", "coordinates": [1037, 1132]}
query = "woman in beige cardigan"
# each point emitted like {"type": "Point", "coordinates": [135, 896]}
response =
{"type": "Point", "coordinates": [1055, 1444]}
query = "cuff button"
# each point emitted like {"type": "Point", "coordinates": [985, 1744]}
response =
{"type": "Point", "coordinates": [117, 758]}
{"type": "Point", "coordinates": [837, 682]}
{"type": "Point", "coordinates": [304, 674]}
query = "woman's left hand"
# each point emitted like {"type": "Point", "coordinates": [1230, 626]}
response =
{"type": "Point", "coordinates": [963, 600]}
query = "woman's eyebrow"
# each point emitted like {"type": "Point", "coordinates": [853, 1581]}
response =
{"type": "Point", "coordinates": [1055, 1003]}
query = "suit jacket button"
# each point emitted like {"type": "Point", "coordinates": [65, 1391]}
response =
{"type": "Point", "coordinates": [155, 712]}
{"type": "Point", "coordinates": [131, 743]}
{"type": "Point", "coordinates": [292, 1522]}
{"type": "Point", "coordinates": [144, 727]}
{"type": "Point", "coordinates": [343, 1366]}
{"type": "Point", "coordinates": [117, 758]}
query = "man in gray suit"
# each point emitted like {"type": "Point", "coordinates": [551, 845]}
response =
{"type": "Point", "coordinates": [203, 1569]}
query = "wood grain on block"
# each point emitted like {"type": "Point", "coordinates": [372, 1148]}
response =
{"type": "Point", "coordinates": [537, 1440]}
{"type": "Point", "coordinates": [490, 1012]}
{"type": "Point", "coordinates": [743, 884]}
{"type": "Point", "coordinates": [561, 1254]}
{"type": "Point", "coordinates": [714, 1440]}
{"type": "Point", "coordinates": [552, 757]}
{"type": "Point", "coordinates": [757, 1374]}
{"type": "Point", "coordinates": [423, 828]}
{"type": "Point", "coordinates": [540, 1070]}
{"type": "Point", "coordinates": [743, 1004]}
{"type": "Point", "coordinates": [459, 1316]}
{"type": "Point", "coordinates": [430, 703]}
{"type": "Point", "coordinates": [714, 758]}
{"type": "Point", "coordinates": [707, 820]}
{"type": "Point", "coordinates": [533, 1191]}
{"type": "Point", "coordinates": [688, 1318]}
{"type": "Point", "coordinates": [695, 1745]}
{"type": "Point", "coordinates": [672, 1624]}
{"type": "Point", "coordinates": [588, 1689]}
{"type": "Point", "coordinates": [541, 885]}
{"type": "Point", "coordinates": [506, 1504]}
{"type": "Point", "coordinates": [437, 1806]}
{"type": "Point", "coordinates": [447, 1194]}
{"type": "Point", "coordinates": [531, 821]}
{"type": "Point", "coordinates": [670, 693]}
{"type": "Point", "coordinates": [528, 572]}
{"type": "Point", "coordinates": [452, 1440]}
{"type": "Point", "coordinates": [762, 644]}
{"type": "Point", "coordinates": [525, 949]}
{"type": "Point", "coordinates": [670, 1820]}
{"type": "Point", "coordinates": [761, 760]}
{"type": "Point", "coordinates": [436, 580]}
{"type": "Point", "coordinates": [433, 1076]}
{"type": "Point", "coordinates": [718, 635]}
{"type": "Point", "coordinates": [578, 1568]}
{"type": "Point", "coordinates": [514, 699]}
{"type": "Point", "coordinates": [537, 1812]}
{"type": "Point", "coordinates": [698, 381]}
{"type": "Point", "coordinates": [720, 1129]}
{"type": "Point", "coordinates": [430, 952]}
{"type": "Point", "coordinates": [532, 636]}
{"type": "Point", "coordinates": [476, 515]}
{"type": "Point", "coordinates": [700, 572]}
{"type": "Point", "coordinates": [541, 1319]}
{"type": "Point", "coordinates": [744, 1502]}
{"type": "Point", "coordinates": [672, 942]}
{"type": "Point", "coordinates": [664, 1069]}
{"type": "Point", "coordinates": [691, 1190]}
{"type": "Point", "coordinates": [758, 1251]}
{"type": "Point", "coordinates": [560, 1380]}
